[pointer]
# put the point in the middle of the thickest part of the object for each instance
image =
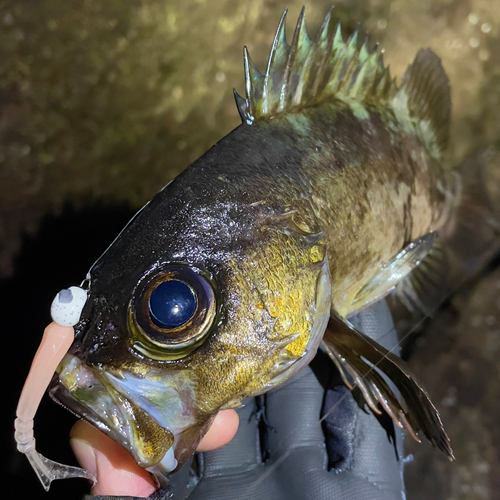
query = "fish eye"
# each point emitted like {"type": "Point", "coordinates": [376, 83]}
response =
{"type": "Point", "coordinates": [172, 304]}
{"type": "Point", "coordinates": [172, 312]}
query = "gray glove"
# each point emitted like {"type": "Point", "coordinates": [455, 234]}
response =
{"type": "Point", "coordinates": [283, 451]}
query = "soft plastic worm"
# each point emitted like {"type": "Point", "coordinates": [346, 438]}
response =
{"type": "Point", "coordinates": [57, 339]}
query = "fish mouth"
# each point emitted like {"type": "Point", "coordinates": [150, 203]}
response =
{"type": "Point", "coordinates": [87, 393]}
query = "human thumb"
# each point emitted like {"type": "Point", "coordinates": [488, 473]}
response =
{"type": "Point", "coordinates": [116, 471]}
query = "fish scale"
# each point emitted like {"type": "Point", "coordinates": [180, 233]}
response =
{"type": "Point", "coordinates": [330, 195]}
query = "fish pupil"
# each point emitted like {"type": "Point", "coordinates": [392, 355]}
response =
{"type": "Point", "coordinates": [172, 304]}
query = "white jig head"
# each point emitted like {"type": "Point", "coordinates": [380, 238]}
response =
{"type": "Point", "coordinates": [67, 306]}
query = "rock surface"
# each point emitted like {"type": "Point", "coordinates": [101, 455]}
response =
{"type": "Point", "coordinates": [458, 361]}
{"type": "Point", "coordinates": [106, 101]}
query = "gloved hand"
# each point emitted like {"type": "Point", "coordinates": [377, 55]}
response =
{"type": "Point", "coordinates": [283, 451]}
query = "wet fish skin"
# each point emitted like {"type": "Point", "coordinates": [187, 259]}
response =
{"type": "Point", "coordinates": [286, 218]}
{"type": "Point", "coordinates": [248, 224]}
{"type": "Point", "coordinates": [238, 238]}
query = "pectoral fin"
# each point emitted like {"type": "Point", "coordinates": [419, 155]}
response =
{"type": "Point", "coordinates": [362, 363]}
{"type": "Point", "coordinates": [464, 246]}
{"type": "Point", "coordinates": [424, 290]}
{"type": "Point", "coordinates": [389, 275]}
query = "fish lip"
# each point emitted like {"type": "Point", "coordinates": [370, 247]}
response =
{"type": "Point", "coordinates": [60, 394]}
{"type": "Point", "coordinates": [86, 392]}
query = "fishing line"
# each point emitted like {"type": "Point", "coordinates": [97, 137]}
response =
{"type": "Point", "coordinates": [376, 364]}
{"type": "Point", "coordinates": [119, 234]}
{"type": "Point", "coordinates": [290, 449]}
{"type": "Point", "coordinates": [416, 326]}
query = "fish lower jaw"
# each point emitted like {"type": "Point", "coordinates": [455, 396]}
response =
{"type": "Point", "coordinates": [88, 394]}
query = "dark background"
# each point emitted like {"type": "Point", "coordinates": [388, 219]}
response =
{"type": "Point", "coordinates": [102, 102]}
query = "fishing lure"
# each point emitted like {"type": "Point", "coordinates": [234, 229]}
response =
{"type": "Point", "coordinates": [57, 339]}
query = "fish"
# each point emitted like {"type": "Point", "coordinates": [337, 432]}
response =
{"type": "Point", "coordinates": [331, 194]}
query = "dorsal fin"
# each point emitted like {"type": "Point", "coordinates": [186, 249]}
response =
{"type": "Point", "coordinates": [306, 73]}
{"type": "Point", "coordinates": [424, 99]}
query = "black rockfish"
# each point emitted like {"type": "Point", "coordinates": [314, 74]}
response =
{"type": "Point", "coordinates": [329, 195]}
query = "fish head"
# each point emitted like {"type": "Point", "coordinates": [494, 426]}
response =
{"type": "Point", "coordinates": [195, 306]}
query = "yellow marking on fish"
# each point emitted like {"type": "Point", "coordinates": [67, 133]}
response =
{"type": "Point", "coordinates": [317, 253]}
{"type": "Point", "coordinates": [298, 347]}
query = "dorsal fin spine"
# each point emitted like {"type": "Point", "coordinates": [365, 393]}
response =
{"type": "Point", "coordinates": [338, 41]}
{"type": "Point", "coordinates": [305, 85]}
{"type": "Point", "coordinates": [277, 58]}
{"type": "Point", "coordinates": [329, 69]}
{"type": "Point", "coordinates": [241, 104]}
{"type": "Point", "coordinates": [352, 43]}
{"type": "Point", "coordinates": [320, 47]}
{"type": "Point", "coordinates": [299, 50]}
{"type": "Point", "coordinates": [253, 79]}
{"type": "Point", "coordinates": [364, 53]}
{"type": "Point", "coordinates": [357, 83]}
{"type": "Point", "coordinates": [350, 66]}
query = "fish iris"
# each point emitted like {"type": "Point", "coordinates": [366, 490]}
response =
{"type": "Point", "coordinates": [172, 304]}
{"type": "Point", "coordinates": [173, 310]}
